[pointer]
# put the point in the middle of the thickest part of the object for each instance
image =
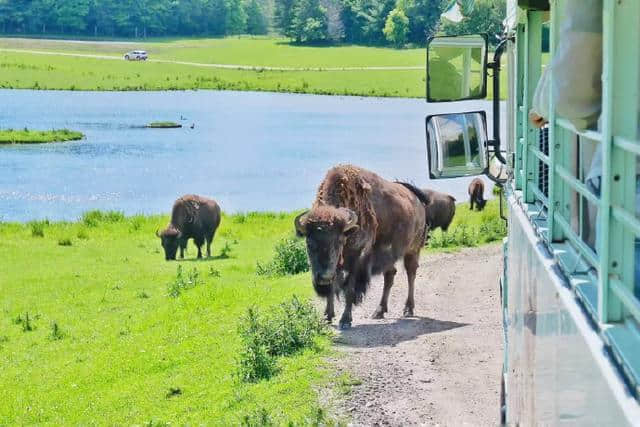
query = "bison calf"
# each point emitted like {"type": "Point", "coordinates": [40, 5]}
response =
{"type": "Point", "coordinates": [192, 217]}
{"type": "Point", "coordinates": [476, 194]}
{"type": "Point", "coordinates": [440, 210]}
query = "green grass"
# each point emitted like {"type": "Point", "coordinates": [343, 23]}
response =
{"type": "Point", "coordinates": [90, 333]}
{"type": "Point", "coordinates": [27, 136]}
{"type": "Point", "coordinates": [164, 125]}
{"type": "Point", "coordinates": [470, 228]}
{"type": "Point", "coordinates": [33, 71]}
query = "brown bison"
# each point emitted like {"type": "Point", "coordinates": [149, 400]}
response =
{"type": "Point", "coordinates": [441, 209]}
{"type": "Point", "coordinates": [358, 226]}
{"type": "Point", "coordinates": [476, 194]}
{"type": "Point", "coordinates": [192, 217]}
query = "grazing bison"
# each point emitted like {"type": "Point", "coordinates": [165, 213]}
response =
{"type": "Point", "coordinates": [192, 217]}
{"type": "Point", "coordinates": [358, 226]}
{"type": "Point", "coordinates": [476, 194]}
{"type": "Point", "coordinates": [440, 210]}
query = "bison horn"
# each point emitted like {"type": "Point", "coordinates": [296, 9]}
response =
{"type": "Point", "coordinates": [352, 222]}
{"type": "Point", "coordinates": [158, 233]}
{"type": "Point", "coordinates": [301, 224]}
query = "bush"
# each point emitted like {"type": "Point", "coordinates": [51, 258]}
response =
{"type": "Point", "coordinates": [182, 283]}
{"type": "Point", "coordinates": [37, 227]}
{"type": "Point", "coordinates": [290, 258]}
{"type": "Point", "coordinates": [93, 218]}
{"type": "Point", "coordinates": [64, 242]}
{"type": "Point", "coordinates": [289, 328]}
{"type": "Point", "coordinates": [491, 228]}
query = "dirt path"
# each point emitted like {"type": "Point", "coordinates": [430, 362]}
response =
{"type": "Point", "coordinates": [441, 367]}
{"type": "Point", "coordinates": [222, 66]}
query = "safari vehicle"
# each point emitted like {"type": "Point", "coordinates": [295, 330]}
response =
{"type": "Point", "coordinates": [136, 55]}
{"type": "Point", "coordinates": [570, 296]}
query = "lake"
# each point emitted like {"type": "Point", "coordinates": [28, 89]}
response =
{"type": "Point", "coordinates": [251, 151]}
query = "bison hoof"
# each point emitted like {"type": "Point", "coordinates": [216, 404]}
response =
{"type": "Point", "coordinates": [345, 325]}
{"type": "Point", "coordinates": [408, 312]}
{"type": "Point", "coordinates": [378, 314]}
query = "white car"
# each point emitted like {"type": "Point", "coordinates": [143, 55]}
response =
{"type": "Point", "coordinates": [136, 55]}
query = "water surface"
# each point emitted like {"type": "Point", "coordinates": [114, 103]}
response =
{"type": "Point", "coordinates": [248, 150]}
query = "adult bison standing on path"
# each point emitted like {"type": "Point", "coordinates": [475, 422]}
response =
{"type": "Point", "coordinates": [192, 217]}
{"type": "Point", "coordinates": [360, 225]}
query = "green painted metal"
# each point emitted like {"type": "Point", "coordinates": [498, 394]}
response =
{"type": "Point", "coordinates": [518, 99]}
{"type": "Point", "coordinates": [532, 71]}
{"type": "Point", "coordinates": [608, 291]}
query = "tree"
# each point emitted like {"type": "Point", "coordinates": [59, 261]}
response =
{"type": "Point", "coordinates": [424, 18]}
{"type": "Point", "coordinates": [486, 18]}
{"type": "Point", "coordinates": [256, 21]}
{"type": "Point", "coordinates": [236, 17]}
{"type": "Point", "coordinates": [396, 27]}
{"type": "Point", "coordinates": [309, 23]}
{"type": "Point", "coordinates": [283, 16]}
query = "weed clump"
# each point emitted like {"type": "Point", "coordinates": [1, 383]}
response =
{"type": "Point", "coordinates": [64, 242]}
{"type": "Point", "coordinates": [226, 250]}
{"type": "Point", "coordinates": [94, 218]}
{"type": "Point", "coordinates": [290, 258]}
{"type": "Point", "coordinates": [287, 329]}
{"type": "Point", "coordinates": [491, 228]}
{"type": "Point", "coordinates": [37, 227]}
{"type": "Point", "coordinates": [182, 282]}
{"type": "Point", "coordinates": [56, 333]}
{"type": "Point", "coordinates": [26, 322]}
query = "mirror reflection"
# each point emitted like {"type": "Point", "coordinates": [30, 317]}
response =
{"type": "Point", "coordinates": [456, 68]}
{"type": "Point", "coordinates": [457, 144]}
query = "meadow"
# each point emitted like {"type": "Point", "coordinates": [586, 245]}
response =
{"type": "Point", "coordinates": [95, 327]}
{"type": "Point", "coordinates": [189, 64]}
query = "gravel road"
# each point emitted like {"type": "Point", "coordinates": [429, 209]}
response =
{"type": "Point", "coordinates": [441, 367]}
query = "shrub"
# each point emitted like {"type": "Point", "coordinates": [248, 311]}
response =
{"type": "Point", "coordinates": [37, 227]}
{"type": "Point", "coordinates": [182, 283]}
{"type": "Point", "coordinates": [287, 329]}
{"type": "Point", "coordinates": [290, 258]}
{"type": "Point", "coordinates": [95, 217]}
{"type": "Point", "coordinates": [64, 242]}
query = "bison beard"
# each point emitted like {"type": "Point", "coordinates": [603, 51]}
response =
{"type": "Point", "coordinates": [359, 226]}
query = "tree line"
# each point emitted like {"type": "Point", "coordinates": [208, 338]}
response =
{"type": "Point", "coordinates": [396, 22]}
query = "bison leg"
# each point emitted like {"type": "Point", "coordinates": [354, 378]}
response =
{"type": "Point", "coordinates": [411, 265]}
{"type": "Point", "coordinates": [388, 283]}
{"type": "Point", "coordinates": [329, 311]}
{"type": "Point", "coordinates": [183, 247]}
{"type": "Point", "coordinates": [349, 299]}
{"type": "Point", "coordinates": [209, 241]}
{"type": "Point", "coordinates": [471, 202]}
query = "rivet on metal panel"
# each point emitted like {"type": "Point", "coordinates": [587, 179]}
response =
{"type": "Point", "coordinates": [614, 264]}
{"type": "Point", "coordinates": [616, 178]}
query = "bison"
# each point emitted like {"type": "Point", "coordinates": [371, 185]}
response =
{"type": "Point", "coordinates": [359, 226]}
{"type": "Point", "coordinates": [441, 209]}
{"type": "Point", "coordinates": [191, 217]}
{"type": "Point", "coordinates": [476, 194]}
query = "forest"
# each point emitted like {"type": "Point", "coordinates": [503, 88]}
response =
{"type": "Point", "coordinates": [369, 22]}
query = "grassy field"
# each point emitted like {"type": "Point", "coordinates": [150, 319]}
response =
{"type": "Point", "coordinates": [26, 136]}
{"type": "Point", "coordinates": [125, 352]}
{"type": "Point", "coordinates": [96, 327]}
{"type": "Point", "coordinates": [22, 69]}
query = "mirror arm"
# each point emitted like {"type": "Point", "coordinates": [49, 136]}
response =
{"type": "Point", "coordinates": [495, 66]}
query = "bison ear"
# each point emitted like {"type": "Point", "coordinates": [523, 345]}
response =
{"type": "Point", "coordinates": [301, 224]}
{"type": "Point", "coordinates": [158, 233]}
{"type": "Point", "coordinates": [352, 222]}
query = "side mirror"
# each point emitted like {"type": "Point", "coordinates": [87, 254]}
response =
{"type": "Point", "coordinates": [456, 68]}
{"type": "Point", "coordinates": [457, 144]}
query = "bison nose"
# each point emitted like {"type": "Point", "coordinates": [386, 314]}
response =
{"type": "Point", "coordinates": [324, 278]}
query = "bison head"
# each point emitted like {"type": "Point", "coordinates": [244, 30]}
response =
{"type": "Point", "coordinates": [170, 238]}
{"type": "Point", "coordinates": [326, 229]}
